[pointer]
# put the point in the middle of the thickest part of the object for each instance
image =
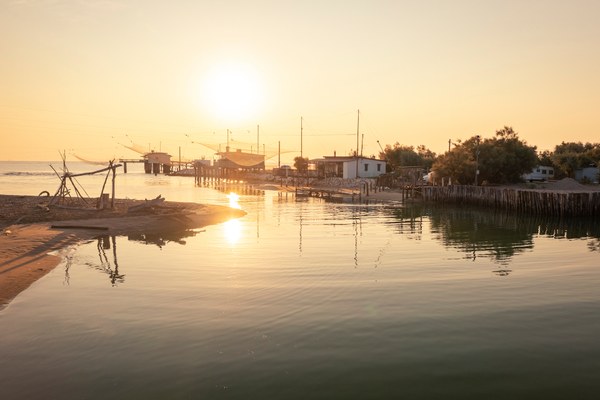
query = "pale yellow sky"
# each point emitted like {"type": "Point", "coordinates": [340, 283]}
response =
{"type": "Point", "coordinates": [88, 76]}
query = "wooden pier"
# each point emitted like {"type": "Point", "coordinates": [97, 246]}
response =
{"type": "Point", "coordinates": [539, 202]}
{"type": "Point", "coordinates": [306, 191]}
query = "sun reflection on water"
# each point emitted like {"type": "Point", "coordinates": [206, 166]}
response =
{"type": "Point", "coordinates": [234, 200]}
{"type": "Point", "coordinates": [232, 230]}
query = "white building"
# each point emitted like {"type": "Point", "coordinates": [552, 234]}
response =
{"type": "Point", "coordinates": [346, 167]}
{"type": "Point", "coordinates": [539, 173]}
{"type": "Point", "coordinates": [590, 174]}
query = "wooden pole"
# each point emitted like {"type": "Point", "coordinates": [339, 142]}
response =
{"type": "Point", "coordinates": [357, 132]}
{"type": "Point", "coordinates": [112, 200]}
{"type": "Point", "coordinates": [301, 134]}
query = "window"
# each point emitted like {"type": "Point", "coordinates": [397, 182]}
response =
{"type": "Point", "coordinates": [378, 167]}
{"type": "Point", "coordinates": [366, 167]}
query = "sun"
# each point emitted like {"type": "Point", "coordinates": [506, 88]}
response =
{"type": "Point", "coordinates": [233, 92]}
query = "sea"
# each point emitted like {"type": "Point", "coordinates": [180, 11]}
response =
{"type": "Point", "coordinates": [305, 298]}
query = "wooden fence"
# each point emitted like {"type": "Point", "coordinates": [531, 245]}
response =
{"type": "Point", "coordinates": [541, 202]}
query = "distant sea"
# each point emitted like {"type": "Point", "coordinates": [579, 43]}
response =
{"type": "Point", "coordinates": [308, 299]}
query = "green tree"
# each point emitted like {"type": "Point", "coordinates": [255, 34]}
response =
{"type": "Point", "coordinates": [505, 158]}
{"type": "Point", "coordinates": [501, 159]}
{"type": "Point", "coordinates": [301, 164]}
{"type": "Point", "coordinates": [427, 156]}
{"type": "Point", "coordinates": [457, 164]}
{"type": "Point", "coordinates": [405, 156]}
{"type": "Point", "coordinates": [545, 159]}
{"type": "Point", "coordinates": [570, 156]}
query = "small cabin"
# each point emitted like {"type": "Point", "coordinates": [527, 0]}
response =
{"type": "Point", "coordinates": [157, 162]}
{"type": "Point", "coordinates": [540, 173]}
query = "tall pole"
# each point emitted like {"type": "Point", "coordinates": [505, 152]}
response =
{"type": "Point", "coordinates": [477, 159]}
{"type": "Point", "coordinates": [227, 147]}
{"type": "Point", "coordinates": [301, 129]}
{"type": "Point", "coordinates": [362, 143]}
{"type": "Point", "coordinates": [112, 199]}
{"type": "Point", "coordinates": [279, 154]}
{"type": "Point", "coordinates": [257, 138]}
{"type": "Point", "coordinates": [357, 133]}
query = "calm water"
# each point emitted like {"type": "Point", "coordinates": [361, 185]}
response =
{"type": "Point", "coordinates": [307, 299]}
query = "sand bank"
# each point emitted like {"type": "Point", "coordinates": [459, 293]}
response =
{"type": "Point", "coordinates": [24, 247]}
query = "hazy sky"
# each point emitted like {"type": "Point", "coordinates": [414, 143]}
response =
{"type": "Point", "coordinates": [89, 76]}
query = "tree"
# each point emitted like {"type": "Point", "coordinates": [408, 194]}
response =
{"type": "Point", "coordinates": [457, 164]}
{"type": "Point", "coordinates": [427, 156]}
{"type": "Point", "coordinates": [545, 159]}
{"type": "Point", "coordinates": [505, 158]}
{"type": "Point", "coordinates": [406, 156]}
{"type": "Point", "coordinates": [570, 156]}
{"type": "Point", "coordinates": [301, 164]}
{"type": "Point", "coordinates": [501, 159]}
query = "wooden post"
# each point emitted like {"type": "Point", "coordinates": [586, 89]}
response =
{"type": "Point", "coordinates": [112, 201]}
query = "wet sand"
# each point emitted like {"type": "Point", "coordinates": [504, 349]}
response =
{"type": "Point", "coordinates": [24, 247]}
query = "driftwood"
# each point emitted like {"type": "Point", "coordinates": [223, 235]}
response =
{"type": "Point", "coordinates": [43, 207]}
{"type": "Point", "coordinates": [74, 208]}
{"type": "Point", "coordinates": [147, 204]}
{"type": "Point", "coordinates": [100, 228]}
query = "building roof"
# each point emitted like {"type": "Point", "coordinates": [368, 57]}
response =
{"type": "Point", "coordinates": [347, 158]}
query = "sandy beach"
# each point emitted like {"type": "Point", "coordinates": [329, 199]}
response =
{"type": "Point", "coordinates": [31, 230]}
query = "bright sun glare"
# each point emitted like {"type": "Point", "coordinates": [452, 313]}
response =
{"type": "Point", "coordinates": [233, 92]}
{"type": "Point", "coordinates": [232, 229]}
{"type": "Point", "coordinates": [234, 200]}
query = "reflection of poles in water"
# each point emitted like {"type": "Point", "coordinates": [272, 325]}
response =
{"type": "Point", "coordinates": [104, 243]}
{"type": "Point", "coordinates": [382, 252]}
{"type": "Point", "coordinates": [115, 275]}
{"type": "Point", "coordinates": [594, 245]}
{"type": "Point", "coordinates": [475, 233]}
{"type": "Point", "coordinates": [300, 233]}
{"type": "Point", "coordinates": [67, 267]}
{"type": "Point", "coordinates": [504, 271]}
{"type": "Point", "coordinates": [257, 224]}
{"type": "Point", "coordinates": [357, 222]}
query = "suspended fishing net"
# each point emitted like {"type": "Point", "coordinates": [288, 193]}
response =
{"type": "Point", "coordinates": [244, 154]}
{"type": "Point", "coordinates": [243, 159]}
{"type": "Point", "coordinates": [136, 147]}
{"type": "Point", "coordinates": [88, 161]}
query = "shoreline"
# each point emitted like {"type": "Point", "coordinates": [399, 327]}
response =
{"type": "Point", "coordinates": [30, 230]}
{"type": "Point", "coordinates": [25, 247]}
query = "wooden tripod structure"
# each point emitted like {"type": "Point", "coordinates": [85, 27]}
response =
{"type": "Point", "coordinates": [63, 192]}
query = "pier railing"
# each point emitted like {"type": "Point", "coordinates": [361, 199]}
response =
{"type": "Point", "coordinates": [542, 202]}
